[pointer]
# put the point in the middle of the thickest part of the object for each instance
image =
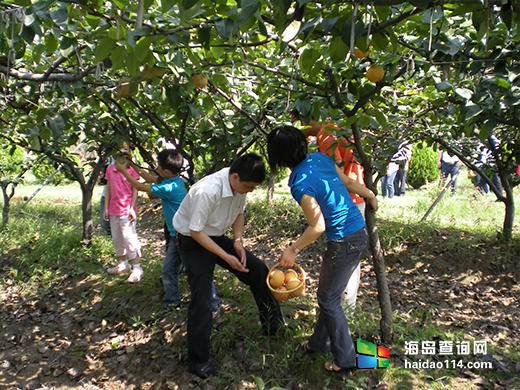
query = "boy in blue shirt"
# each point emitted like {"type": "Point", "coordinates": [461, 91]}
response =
{"type": "Point", "coordinates": [170, 188]}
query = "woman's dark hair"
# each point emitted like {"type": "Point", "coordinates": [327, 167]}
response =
{"type": "Point", "coordinates": [286, 147]}
{"type": "Point", "coordinates": [249, 167]}
{"type": "Point", "coordinates": [171, 160]}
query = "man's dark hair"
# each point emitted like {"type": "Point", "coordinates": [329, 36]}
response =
{"type": "Point", "coordinates": [286, 147]}
{"type": "Point", "coordinates": [171, 160]}
{"type": "Point", "coordinates": [249, 167]}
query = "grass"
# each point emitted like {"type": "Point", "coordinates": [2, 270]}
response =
{"type": "Point", "coordinates": [42, 245]}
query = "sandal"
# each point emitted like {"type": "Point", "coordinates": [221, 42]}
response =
{"type": "Point", "coordinates": [341, 371]}
{"type": "Point", "coordinates": [306, 347]}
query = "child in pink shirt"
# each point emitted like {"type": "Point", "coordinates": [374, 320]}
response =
{"type": "Point", "coordinates": [120, 210]}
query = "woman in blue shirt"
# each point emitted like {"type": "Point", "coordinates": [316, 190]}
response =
{"type": "Point", "coordinates": [322, 190]}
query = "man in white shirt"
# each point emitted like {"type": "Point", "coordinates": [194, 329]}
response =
{"type": "Point", "coordinates": [212, 205]}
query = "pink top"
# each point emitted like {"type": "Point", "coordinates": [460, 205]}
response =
{"type": "Point", "coordinates": [121, 191]}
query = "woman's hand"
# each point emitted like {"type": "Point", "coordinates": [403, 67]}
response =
{"type": "Point", "coordinates": [132, 215]}
{"type": "Point", "coordinates": [287, 258]}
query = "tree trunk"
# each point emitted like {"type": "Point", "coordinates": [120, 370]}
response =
{"type": "Point", "coordinates": [509, 217]}
{"type": "Point", "coordinates": [86, 212]}
{"type": "Point", "coordinates": [378, 258]}
{"type": "Point", "coordinates": [5, 210]}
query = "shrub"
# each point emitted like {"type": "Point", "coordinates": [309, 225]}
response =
{"type": "Point", "coordinates": [423, 166]}
{"type": "Point", "coordinates": [45, 168]}
{"type": "Point", "coordinates": [11, 160]}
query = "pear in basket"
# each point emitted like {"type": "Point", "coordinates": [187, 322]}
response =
{"type": "Point", "coordinates": [290, 274]}
{"type": "Point", "coordinates": [276, 278]}
{"type": "Point", "coordinates": [292, 284]}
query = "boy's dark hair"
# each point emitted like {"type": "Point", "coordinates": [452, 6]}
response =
{"type": "Point", "coordinates": [296, 114]}
{"type": "Point", "coordinates": [171, 160]}
{"type": "Point", "coordinates": [249, 167]}
{"type": "Point", "coordinates": [286, 147]}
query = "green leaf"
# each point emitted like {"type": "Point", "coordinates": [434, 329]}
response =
{"type": "Point", "coordinates": [194, 59]}
{"type": "Point", "coordinates": [472, 111]}
{"type": "Point", "coordinates": [308, 59]}
{"type": "Point", "coordinates": [291, 31]}
{"type": "Point", "coordinates": [134, 35]}
{"type": "Point", "coordinates": [381, 118]}
{"type": "Point", "coordinates": [103, 49]}
{"type": "Point", "coordinates": [224, 27]}
{"type": "Point", "coordinates": [167, 5]}
{"type": "Point", "coordinates": [464, 93]}
{"type": "Point", "coordinates": [444, 86]}
{"type": "Point", "coordinates": [346, 31]}
{"type": "Point", "coordinates": [143, 47]}
{"type": "Point", "coordinates": [217, 51]}
{"type": "Point", "coordinates": [45, 134]}
{"type": "Point", "coordinates": [500, 81]}
{"type": "Point", "coordinates": [204, 35]}
{"type": "Point", "coordinates": [328, 23]}
{"type": "Point", "coordinates": [118, 58]}
{"type": "Point", "coordinates": [249, 8]}
{"type": "Point", "coordinates": [259, 382]}
{"type": "Point", "coordinates": [338, 50]}
{"type": "Point", "coordinates": [51, 44]}
{"type": "Point", "coordinates": [380, 41]}
{"type": "Point", "coordinates": [59, 16]}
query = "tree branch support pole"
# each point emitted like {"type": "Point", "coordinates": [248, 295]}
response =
{"type": "Point", "coordinates": [47, 181]}
{"type": "Point", "coordinates": [441, 195]}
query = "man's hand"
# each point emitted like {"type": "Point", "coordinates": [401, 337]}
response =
{"type": "Point", "coordinates": [235, 263]}
{"type": "Point", "coordinates": [241, 252]}
{"type": "Point", "coordinates": [287, 258]}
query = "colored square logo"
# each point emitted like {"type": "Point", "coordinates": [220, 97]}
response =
{"type": "Point", "coordinates": [371, 356]}
{"type": "Point", "coordinates": [364, 361]}
{"type": "Point", "coordinates": [383, 352]}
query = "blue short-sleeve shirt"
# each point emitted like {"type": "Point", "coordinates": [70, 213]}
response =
{"type": "Point", "coordinates": [316, 176]}
{"type": "Point", "coordinates": [171, 191]}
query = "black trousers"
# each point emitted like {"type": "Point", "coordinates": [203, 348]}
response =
{"type": "Point", "coordinates": [199, 264]}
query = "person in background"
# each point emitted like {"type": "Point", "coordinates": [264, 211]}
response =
{"type": "Point", "coordinates": [170, 188]}
{"type": "Point", "coordinates": [449, 166]}
{"type": "Point", "coordinates": [322, 190]}
{"type": "Point", "coordinates": [121, 211]}
{"type": "Point", "coordinates": [404, 155]}
{"type": "Point", "coordinates": [105, 225]}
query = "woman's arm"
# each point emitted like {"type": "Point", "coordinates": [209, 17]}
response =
{"type": "Point", "coordinates": [316, 227]}
{"type": "Point", "coordinates": [356, 188]}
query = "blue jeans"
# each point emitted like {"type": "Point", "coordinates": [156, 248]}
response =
{"type": "Point", "coordinates": [170, 276]}
{"type": "Point", "coordinates": [105, 225]}
{"type": "Point", "coordinates": [450, 170]}
{"type": "Point", "coordinates": [387, 185]}
{"type": "Point", "coordinates": [332, 333]}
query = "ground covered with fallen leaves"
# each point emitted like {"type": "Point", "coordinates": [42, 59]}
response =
{"type": "Point", "coordinates": [76, 335]}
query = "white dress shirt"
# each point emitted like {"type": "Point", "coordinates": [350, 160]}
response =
{"type": "Point", "coordinates": [210, 206]}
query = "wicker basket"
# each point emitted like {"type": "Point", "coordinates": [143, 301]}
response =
{"type": "Point", "coordinates": [295, 292]}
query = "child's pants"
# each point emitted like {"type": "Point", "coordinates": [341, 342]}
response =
{"type": "Point", "coordinates": [124, 236]}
